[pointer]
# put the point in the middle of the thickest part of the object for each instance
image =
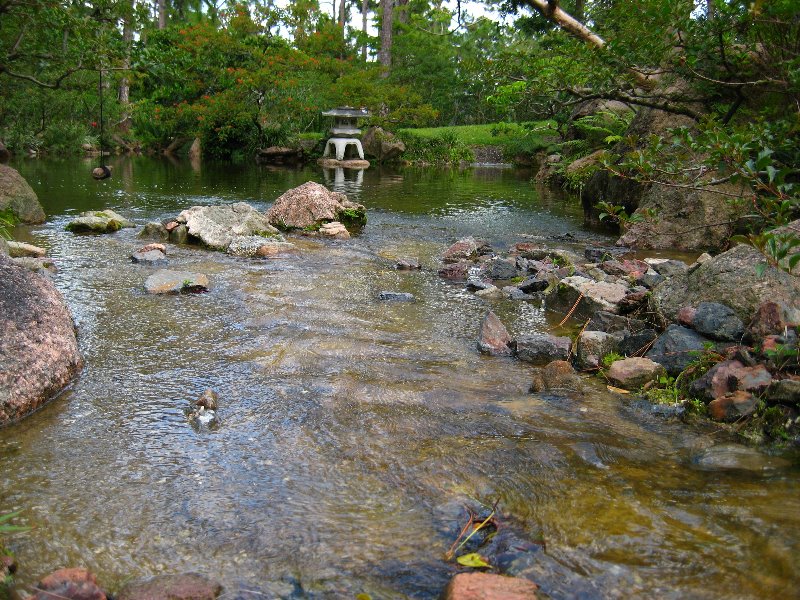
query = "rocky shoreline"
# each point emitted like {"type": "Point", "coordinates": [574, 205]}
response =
{"type": "Point", "coordinates": [717, 337]}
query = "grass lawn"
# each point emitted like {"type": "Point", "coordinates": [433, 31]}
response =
{"type": "Point", "coordinates": [491, 134]}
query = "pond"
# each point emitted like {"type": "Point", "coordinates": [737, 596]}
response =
{"type": "Point", "coordinates": [354, 432]}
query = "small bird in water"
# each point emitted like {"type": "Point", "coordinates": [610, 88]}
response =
{"type": "Point", "coordinates": [203, 412]}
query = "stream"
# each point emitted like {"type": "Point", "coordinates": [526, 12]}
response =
{"type": "Point", "coordinates": [353, 431]}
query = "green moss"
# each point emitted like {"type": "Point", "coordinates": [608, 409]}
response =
{"type": "Point", "coordinates": [353, 217]}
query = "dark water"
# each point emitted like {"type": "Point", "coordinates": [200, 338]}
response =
{"type": "Point", "coordinates": [353, 431]}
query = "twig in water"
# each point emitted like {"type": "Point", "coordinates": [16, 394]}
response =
{"type": "Point", "coordinates": [571, 310]}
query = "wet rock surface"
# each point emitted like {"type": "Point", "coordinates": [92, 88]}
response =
{"type": "Point", "coordinates": [18, 197]}
{"type": "Point", "coordinates": [494, 338]}
{"type": "Point", "coordinates": [218, 226]}
{"type": "Point", "coordinates": [189, 586]}
{"type": "Point", "coordinates": [257, 246]}
{"type": "Point", "coordinates": [676, 348]}
{"type": "Point", "coordinates": [633, 373]}
{"type": "Point", "coordinates": [488, 586]}
{"type": "Point", "coordinates": [38, 348]}
{"type": "Point", "coordinates": [176, 282]}
{"type": "Point", "coordinates": [98, 221]}
{"type": "Point", "coordinates": [311, 205]}
{"type": "Point", "coordinates": [542, 348]}
{"type": "Point", "coordinates": [70, 584]}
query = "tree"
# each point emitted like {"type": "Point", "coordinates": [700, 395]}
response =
{"type": "Point", "coordinates": [387, 22]}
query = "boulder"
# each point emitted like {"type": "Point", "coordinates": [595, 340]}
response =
{"type": "Point", "coordinates": [311, 205]}
{"type": "Point", "coordinates": [637, 344]}
{"type": "Point", "coordinates": [598, 254]}
{"type": "Point", "coordinates": [491, 292]}
{"type": "Point", "coordinates": [685, 219]}
{"type": "Point", "coordinates": [677, 348]}
{"type": "Point", "coordinates": [590, 296]}
{"type": "Point", "coordinates": [735, 457]}
{"type": "Point", "coordinates": [718, 322]}
{"type": "Point", "coordinates": [650, 279]}
{"type": "Point", "coordinates": [457, 271]}
{"type": "Point", "coordinates": [624, 267]}
{"type": "Point", "coordinates": [542, 348]}
{"type": "Point", "coordinates": [381, 144]}
{"type": "Point", "coordinates": [255, 245]}
{"type": "Point", "coordinates": [176, 282]}
{"type": "Point", "coordinates": [466, 249]}
{"type": "Point", "coordinates": [784, 391]}
{"type": "Point", "coordinates": [500, 268]}
{"type": "Point", "coordinates": [18, 197]}
{"type": "Point", "coordinates": [217, 226]}
{"type": "Point", "coordinates": [280, 155]}
{"type": "Point", "coordinates": [21, 249]}
{"type": "Point", "coordinates": [336, 230]}
{"type": "Point", "coordinates": [149, 257]}
{"type": "Point", "coordinates": [632, 373]}
{"type": "Point", "coordinates": [731, 376]}
{"type": "Point", "coordinates": [189, 586]}
{"type": "Point", "coordinates": [593, 346]}
{"type": "Point", "coordinates": [350, 163]}
{"type": "Point", "coordinates": [488, 586]}
{"type": "Point", "coordinates": [732, 406]}
{"type": "Point", "coordinates": [538, 283]}
{"type": "Point", "coordinates": [154, 231]}
{"type": "Point", "coordinates": [494, 338]}
{"type": "Point", "coordinates": [772, 318]}
{"type": "Point", "coordinates": [407, 264]}
{"type": "Point", "coordinates": [667, 267]}
{"type": "Point", "coordinates": [396, 297]}
{"type": "Point", "coordinates": [735, 278]}
{"type": "Point", "coordinates": [600, 109]}
{"type": "Point", "coordinates": [556, 376]}
{"type": "Point", "coordinates": [69, 584]}
{"type": "Point", "coordinates": [38, 349]}
{"type": "Point", "coordinates": [178, 233]}
{"type": "Point", "coordinates": [612, 323]}
{"type": "Point", "coordinates": [98, 221]}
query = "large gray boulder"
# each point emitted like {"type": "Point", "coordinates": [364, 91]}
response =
{"type": "Point", "coordinates": [677, 348]}
{"type": "Point", "coordinates": [734, 278]}
{"type": "Point", "coordinates": [685, 219]}
{"type": "Point", "coordinates": [218, 226]}
{"type": "Point", "coordinates": [591, 296]}
{"type": "Point", "coordinates": [18, 197]}
{"type": "Point", "coordinates": [382, 145]}
{"type": "Point", "coordinates": [311, 205]}
{"type": "Point", "coordinates": [38, 349]}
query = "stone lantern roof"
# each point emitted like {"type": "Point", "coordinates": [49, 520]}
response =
{"type": "Point", "coordinates": [347, 112]}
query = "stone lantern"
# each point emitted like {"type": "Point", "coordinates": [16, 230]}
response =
{"type": "Point", "coordinates": [344, 132]}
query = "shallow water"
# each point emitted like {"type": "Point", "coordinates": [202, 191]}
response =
{"type": "Point", "coordinates": [354, 431]}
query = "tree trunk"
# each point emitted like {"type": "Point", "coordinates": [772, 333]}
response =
{"type": "Point", "coordinates": [364, 10]}
{"type": "Point", "coordinates": [402, 14]}
{"type": "Point", "coordinates": [124, 84]}
{"type": "Point", "coordinates": [162, 14]}
{"type": "Point", "coordinates": [342, 14]}
{"type": "Point", "coordinates": [385, 54]}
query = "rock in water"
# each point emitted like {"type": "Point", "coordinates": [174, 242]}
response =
{"type": "Point", "coordinates": [98, 221]}
{"type": "Point", "coordinates": [676, 348]}
{"type": "Point", "coordinates": [208, 400]}
{"type": "Point", "coordinates": [218, 226]}
{"type": "Point", "coordinates": [542, 348]}
{"type": "Point", "coordinates": [734, 278]}
{"type": "Point", "coordinates": [396, 297]}
{"type": "Point", "coordinates": [176, 282]}
{"type": "Point", "coordinates": [311, 205]}
{"type": "Point", "coordinates": [38, 349]}
{"type": "Point", "coordinates": [632, 373]}
{"type": "Point", "coordinates": [70, 584]}
{"type": "Point", "coordinates": [150, 257]}
{"type": "Point", "coordinates": [18, 197]}
{"type": "Point", "coordinates": [189, 586]}
{"type": "Point", "coordinates": [494, 337]}
{"type": "Point", "coordinates": [335, 230]}
{"type": "Point", "coordinates": [20, 249]}
{"type": "Point", "coordinates": [254, 245]}
{"type": "Point", "coordinates": [488, 586]}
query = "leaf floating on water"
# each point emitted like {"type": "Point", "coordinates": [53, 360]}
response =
{"type": "Point", "coordinates": [363, 597]}
{"type": "Point", "coordinates": [473, 559]}
{"type": "Point", "coordinates": [617, 390]}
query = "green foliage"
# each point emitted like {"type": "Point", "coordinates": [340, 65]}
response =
{"type": "Point", "coordinates": [610, 358]}
{"type": "Point", "coordinates": [616, 214]}
{"type": "Point", "coordinates": [604, 128]}
{"type": "Point", "coordinates": [7, 221]}
{"type": "Point", "coordinates": [6, 526]}
{"type": "Point", "coordinates": [665, 392]}
{"type": "Point", "coordinates": [446, 147]}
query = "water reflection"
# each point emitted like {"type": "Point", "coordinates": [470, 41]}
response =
{"type": "Point", "coordinates": [346, 181]}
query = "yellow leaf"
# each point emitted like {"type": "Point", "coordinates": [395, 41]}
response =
{"type": "Point", "coordinates": [472, 560]}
